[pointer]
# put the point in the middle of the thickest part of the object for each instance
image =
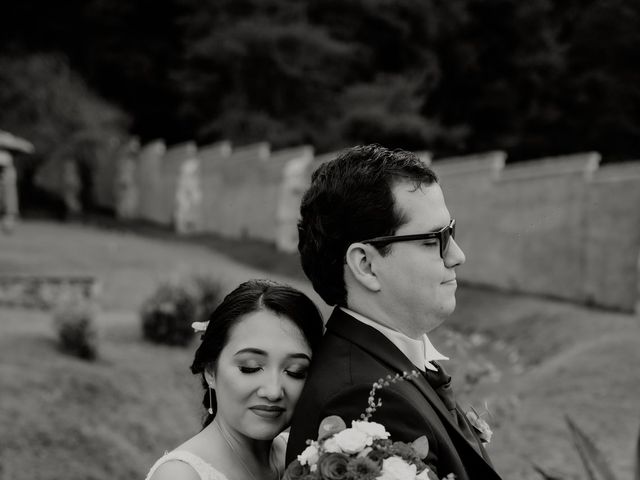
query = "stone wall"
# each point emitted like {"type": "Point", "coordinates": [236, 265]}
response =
{"type": "Point", "coordinates": [172, 170]}
{"type": "Point", "coordinates": [212, 158]}
{"type": "Point", "coordinates": [612, 237]}
{"type": "Point", "coordinates": [231, 183]}
{"type": "Point", "coordinates": [468, 184]}
{"type": "Point", "coordinates": [149, 181]}
{"type": "Point", "coordinates": [46, 291]}
{"type": "Point", "coordinates": [294, 180]}
{"type": "Point", "coordinates": [126, 188]}
{"type": "Point", "coordinates": [539, 226]}
{"type": "Point", "coordinates": [560, 227]}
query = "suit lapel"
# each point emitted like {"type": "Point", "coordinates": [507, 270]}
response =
{"type": "Point", "coordinates": [381, 348]}
{"type": "Point", "coordinates": [426, 389]}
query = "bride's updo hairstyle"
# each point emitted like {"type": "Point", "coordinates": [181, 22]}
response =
{"type": "Point", "coordinates": [249, 297]}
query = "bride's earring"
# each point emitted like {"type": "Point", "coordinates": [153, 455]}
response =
{"type": "Point", "coordinates": [210, 401]}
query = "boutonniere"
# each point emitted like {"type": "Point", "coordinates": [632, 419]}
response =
{"type": "Point", "coordinates": [480, 425]}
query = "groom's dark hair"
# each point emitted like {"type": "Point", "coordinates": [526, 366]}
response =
{"type": "Point", "coordinates": [351, 199]}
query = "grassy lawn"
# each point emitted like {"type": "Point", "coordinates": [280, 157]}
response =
{"type": "Point", "coordinates": [571, 360]}
{"type": "Point", "coordinates": [532, 360]}
{"type": "Point", "coordinates": [129, 262]}
{"type": "Point", "coordinates": [65, 418]}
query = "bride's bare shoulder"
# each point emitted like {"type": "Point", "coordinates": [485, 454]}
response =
{"type": "Point", "coordinates": [175, 470]}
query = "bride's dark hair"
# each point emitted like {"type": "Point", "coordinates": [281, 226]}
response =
{"type": "Point", "coordinates": [249, 297]}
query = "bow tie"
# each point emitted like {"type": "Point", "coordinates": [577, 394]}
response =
{"type": "Point", "coordinates": [430, 365]}
{"type": "Point", "coordinates": [441, 383]}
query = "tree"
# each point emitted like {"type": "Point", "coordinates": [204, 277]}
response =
{"type": "Point", "coordinates": [43, 100]}
{"type": "Point", "coordinates": [260, 72]}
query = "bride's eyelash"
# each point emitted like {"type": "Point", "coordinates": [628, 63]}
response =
{"type": "Point", "coordinates": [299, 375]}
{"type": "Point", "coordinates": [249, 369]}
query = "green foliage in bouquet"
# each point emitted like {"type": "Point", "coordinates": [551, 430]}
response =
{"type": "Point", "coordinates": [363, 451]}
{"type": "Point", "coordinates": [75, 326]}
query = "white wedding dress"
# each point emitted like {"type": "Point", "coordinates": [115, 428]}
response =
{"type": "Point", "coordinates": [202, 468]}
{"type": "Point", "coordinates": [206, 472]}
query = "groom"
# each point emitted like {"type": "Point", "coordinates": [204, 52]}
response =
{"type": "Point", "coordinates": [376, 241]}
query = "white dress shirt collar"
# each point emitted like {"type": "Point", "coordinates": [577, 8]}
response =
{"type": "Point", "coordinates": [420, 352]}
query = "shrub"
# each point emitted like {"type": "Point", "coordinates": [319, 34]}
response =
{"type": "Point", "coordinates": [75, 326]}
{"type": "Point", "coordinates": [168, 314]}
{"type": "Point", "coordinates": [208, 294]}
{"type": "Point", "coordinates": [44, 100]}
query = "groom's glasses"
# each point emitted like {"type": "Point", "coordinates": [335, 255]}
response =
{"type": "Point", "coordinates": [443, 236]}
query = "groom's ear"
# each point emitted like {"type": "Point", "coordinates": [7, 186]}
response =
{"type": "Point", "coordinates": [359, 259]}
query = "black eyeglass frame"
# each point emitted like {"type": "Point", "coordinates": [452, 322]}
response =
{"type": "Point", "coordinates": [443, 236]}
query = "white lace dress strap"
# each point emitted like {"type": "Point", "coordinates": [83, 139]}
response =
{"type": "Point", "coordinates": [202, 468]}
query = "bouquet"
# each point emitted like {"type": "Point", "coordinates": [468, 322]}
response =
{"type": "Point", "coordinates": [363, 451]}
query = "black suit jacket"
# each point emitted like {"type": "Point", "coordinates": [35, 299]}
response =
{"type": "Point", "coordinates": [352, 356]}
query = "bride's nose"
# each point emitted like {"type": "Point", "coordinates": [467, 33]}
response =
{"type": "Point", "coordinates": [271, 388]}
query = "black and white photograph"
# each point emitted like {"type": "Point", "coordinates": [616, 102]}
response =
{"type": "Point", "coordinates": [320, 240]}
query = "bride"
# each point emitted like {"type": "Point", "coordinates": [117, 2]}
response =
{"type": "Point", "coordinates": [253, 359]}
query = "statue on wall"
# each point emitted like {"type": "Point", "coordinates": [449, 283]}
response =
{"type": "Point", "coordinates": [126, 187]}
{"type": "Point", "coordinates": [8, 192]}
{"type": "Point", "coordinates": [188, 198]}
{"type": "Point", "coordinates": [9, 209]}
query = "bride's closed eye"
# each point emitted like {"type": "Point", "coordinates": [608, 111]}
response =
{"type": "Point", "coordinates": [249, 369]}
{"type": "Point", "coordinates": [297, 373]}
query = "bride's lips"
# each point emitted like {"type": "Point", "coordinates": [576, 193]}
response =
{"type": "Point", "coordinates": [267, 411]}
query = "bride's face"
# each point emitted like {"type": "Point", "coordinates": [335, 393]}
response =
{"type": "Point", "coordinates": [260, 374]}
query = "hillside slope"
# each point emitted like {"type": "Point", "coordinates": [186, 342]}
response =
{"type": "Point", "coordinates": [532, 360]}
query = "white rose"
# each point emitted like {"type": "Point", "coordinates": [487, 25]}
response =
{"type": "Point", "coordinates": [351, 440]}
{"type": "Point", "coordinates": [331, 445]}
{"type": "Point", "coordinates": [309, 456]}
{"type": "Point", "coordinates": [373, 429]}
{"type": "Point", "coordinates": [395, 468]}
